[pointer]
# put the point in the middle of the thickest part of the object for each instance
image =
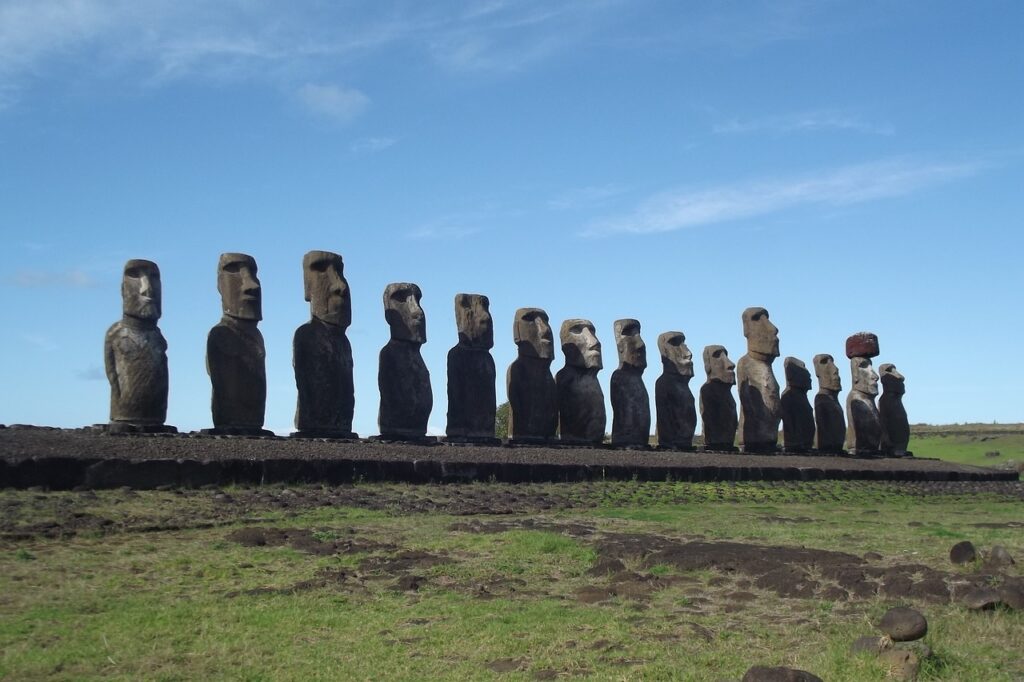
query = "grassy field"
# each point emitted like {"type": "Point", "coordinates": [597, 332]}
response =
{"type": "Point", "coordinates": [415, 582]}
{"type": "Point", "coordinates": [978, 444]}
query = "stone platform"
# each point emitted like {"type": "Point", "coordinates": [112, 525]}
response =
{"type": "Point", "coordinates": [62, 459]}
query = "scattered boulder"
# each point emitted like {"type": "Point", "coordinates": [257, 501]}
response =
{"type": "Point", "coordinates": [993, 453]}
{"type": "Point", "coordinates": [981, 599]}
{"type": "Point", "coordinates": [761, 673]}
{"type": "Point", "coordinates": [963, 553]}
{"type": "Point", "coordinates": [903, 624]}
{"type": "Point", "coordinates": [902, 664]}
{"type": "Point", "coordinates": [998, 557]}
{"type": "Point", "coordinates": [1012, 595]}
{"type": "Point", "coordinates": [870, 644]}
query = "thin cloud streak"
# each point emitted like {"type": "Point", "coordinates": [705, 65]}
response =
{"type": "Point", "coordinates": [333, 101]}
{"type": "Point", "coordinates": [808, 121]}
{"type": "Point", "coordinates": [372, 145]}
{"type": "Point", "coordinates": [584, 197]}
{"type": "Point", "coordinates": [682, 209]}
{"type": "Point", "coordinates": [38, 279]}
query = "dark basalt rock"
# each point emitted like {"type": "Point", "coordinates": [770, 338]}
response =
{"type": "Point", "coordinates": [631, 405]}
{"type": "Point", "coordinates": [891, 413]}
{"type": "Point", "coordinates": [760, 404]}
{"type": "Point", "coordinates": [903, 624]}
{"type": "Point", "coordinates": [532, 394]}
{"type": "Point", "coordinates": [472, 402]}
{"type": "Point", "coordinates": [673, 399]}
{"type": "Point", "coordinates": [760, 673]}
{"type": "Point", "coordinates": [797, 415]}
{"type": "Point", "coordinates": [402, 376]}
{"type": "Point", "coordinates": [581, 411]}
{"type": "Point", "coordinates": [717, 406]}
{"type": "Point", "coordinates": [963, 552]}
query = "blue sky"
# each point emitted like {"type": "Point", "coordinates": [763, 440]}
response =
{"type": "Point", "coordinates": [847, 165]}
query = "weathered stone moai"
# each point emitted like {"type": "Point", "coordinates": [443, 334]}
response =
{"type": "Point", "coordinates": [532, 394]}
{"type": "Point", "coordinates": [797, 415]}
{"type": "Point", "coordinates": [673, 399]}
{"type": "Point", "coordinates": [863, 424]}
{"type": "Point", "coordinates": [581, 411]}
{"type": "Point", "coordinates": [321, 352]}
{"type": "Point", "coordinates": [760, 403]}
{"type": "Point", "coordinates": [402, 377]}
{"type": "Point", "coordinates": [472, 402]}
{"type": "Point", "coordinates": [135, 355]}
{"type": "Point", "coordinates": [235, 354]}
{"type": "Point", "coordinates": [892, 414]}
{"type": "Point", "coordinates": [631, 405]}
{"type": "Point", "coordinates": [828, 413]}
{"type": "Point", "coordinates": [717, 406]}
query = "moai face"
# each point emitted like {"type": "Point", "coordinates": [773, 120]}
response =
{"type": "Point", "coordinates": [762, 336]}
{"type": "Point", "coordinates": [532, 334]}
{"type": "Point", "coordinates": [797, 375]}
{"type": "Point", "coordinates": [864, 378]}
{"type": "Point", "coordinates": [632, 349]}
{"type": "Point", "coordinates": [580, 344]}
{"type": "Point", "coordinates": [892, 381]}
{"type": "Point", "coordinates": [473, 319]}
{"type": "Point", "coordinates": [240, 294]}
{"type": "Point", "coordinates": [675, 356]}
{"type": "Point", "coordinates": [323, 276]}
{"type": "Point", "coordinates": [827, 373]}
{"type": "Point", "coordinates": [141, 290]}
{"type": "Point", "coordinates": [403, 312]}
{"type": "Point", "coordinates": [718, 365]}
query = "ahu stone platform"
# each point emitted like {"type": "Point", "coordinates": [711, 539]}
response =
{"type": "Point", "coordinates": [62, 459]}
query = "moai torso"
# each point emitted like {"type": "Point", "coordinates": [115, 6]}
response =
{"type": "Point", "coordinates": [892, 414]}
{"type": "Point", "coordinates": [532, 393]}
{"type": "Point", "coordinates": [631, 405]}
{"type": "Point", "coordinates": [717, 406]}
{"type": "Point", "coordinates": [828, 413]}
{"type": "Point", "coordinates": [581, 411]}
{"type": "Point", "coordinates": [863, 424]}
{"type": "Point", "coordinates": [472, 402]}
{"type": "Point", "coordinates": [673, 399]}
{"type": "Point", "coordinates": [760, 403]}
{"type": "Point", "coordinates": [402, 377]}
{"type": "Point", "coordinates": [797, 415]}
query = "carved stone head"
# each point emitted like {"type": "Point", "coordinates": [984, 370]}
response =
{"type": "Point", "coordinates": [532, 334]}
{"type": "Point", "coordinates": [718, 365]}
{"type": "Point", "coordinates": [473, 319]}
{"type": "Point", "coordinates": [580, 344]}
{"type": "Point", "coordinates": [864, 378]}
{"type": "Point", "coordinates": [675, 355]}
{"type": "Point", "coordinates": [762, 336]}
{"type": "Point", "coordinates": [323, 276]}
{"type": "Point", "coordinates": [240, 294]}
{"type": "Point", "coordinates": [827, 372]}
{"type": "Point", "coordinates": [632, 349]}
{"type": "Point", "coordinates": [403, 312]}
{"type": "Point", "coordinates": [797, 376]}
{"type": "Point", "coordinates": [141, 290]}
{"type": "Point", "coordinates": [892, 381]}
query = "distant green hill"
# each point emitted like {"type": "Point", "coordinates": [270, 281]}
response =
{"type": "Point", "coordinates": [999, 445]}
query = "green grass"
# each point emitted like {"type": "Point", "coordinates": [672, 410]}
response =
{"type": "Point", "coordinates": [971, 449]}
{"type": "Point", "coordinates": [131, 603]}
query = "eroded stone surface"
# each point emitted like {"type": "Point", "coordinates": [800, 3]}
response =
{"type": "Point", "coordinates": [532, 394]}
{"type": "Point", "coordinates": [581, 410]}
{"type": "Point", "coordinates": [830, 431]}
{"type": "Point", "coordinates": [891, 413]}
{"type": "Point", "coordinates": [472, 402]}
{"type": "Point", "coordinates": [402, 377]}
{"type": "Point", "coordinates": [760, 403]}
{"type": "Point", "coordinates": [797, 415]}
{"type": "Point", "coordinates": [864, 427]}
{"type": "Point", "coordinates": [321, 352]}
{"type": "Point", "coordinates": [673, 399]}
{"type": "Point", "coordinates": [135, 354]}
{"type": "Point", "coordinates": [760, 673]}
{"type": "Point", "coordinates": [717, 406]}
{"type": "Point", "coordinates": [862, 345]}
{"type": "Point", "coordinates": [631, 405]}
{"type": "Point", "coordinates": [903, 624]}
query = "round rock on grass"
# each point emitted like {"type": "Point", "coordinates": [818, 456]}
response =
{"type": "Point", "coordinates": [998, 557]}
{"type": "Point", "coordinates": [761, 673]}
{"type": "Point", "coordinates": [901, 664]}
{"type": "Point", "coordinates": [981, 599]}
{"type": "Point", "coordinates": [963, 553]}
{"type": "Point", "coordinates": [903, 624]}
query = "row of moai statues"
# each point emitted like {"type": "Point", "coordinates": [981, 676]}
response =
{"type": "Point", "coordinates": [569, 406]}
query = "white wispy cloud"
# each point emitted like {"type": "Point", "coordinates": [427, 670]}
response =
{"type": "Point", "coordinates": [333, 101]}
{"type": "Point", "coordinates": [39, 279]}
{"type": "Point", "coordinates": [584, 197]}
{"type": "Point", "coordinates": [686, 208]}
{"type": "Point", "coordinates": [444, 231]}
{"type": "Point", "coordinates": [807, 121]}
{"type": "Point", "coordinates": [370, 145]}
{"type": "Point", "coordinates": [40, 342]}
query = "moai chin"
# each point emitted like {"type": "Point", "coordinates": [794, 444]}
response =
{"type": "Point", "coordinates": [828, 413]}
{"type": "Point", "coordinates": [673, 399]}
{"type": "Point", "coordinates": [760, 403]}
{"type": "Point", "coordinates": [402, 377]}
{"type": "Point", "coordinates": [321, 352]}
{"type": "Point", "coordinates": [631, 405]}
{"type": "Point", "coordinates": [235, 354]}
{"type": "Point", "coordinates": [532, 394]}
{"type": "Point", "coordinates": [135, 355]}
{"type": "Point", "coordinates": [892, 414]}
{"type": "Point", "coordinates": [472, 402]}
{"type": "Point", "coordinates": [717, 406]}
{"type": "Point", "coordinates": [863, 424]}
{"type": "Point", "coordinates": [797, 415]}
{"type": "Point", "coordinates": [581, 412]}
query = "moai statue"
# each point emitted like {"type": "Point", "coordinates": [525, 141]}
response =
{"type": "Point", "coordinates": [717, 406]}
{"type": "Point", "coordinates": [581, 412]}
{"type": "Point", "coordinates": [235, 354]}
{"type": "Point", "coordinates": [673, 399]}
{"type": "Point", "coordinates": [322, 354]}
{"type": "Point", "coordinates": [892, 414]}
{"type": "Point", "coordinates": [532, 395]}
{"type": "Point", "coordinates": [472, 403]}
{"type": "Point", "coordinates": [864, 426]}
{"type": "Point", "coordinates": [135, 355]}
{"type": "Point", "coordinates": [402, 376]}
{"type": "Point", "coordinates": [760, 404]}
{"type": "Point", "coordinates": [828, 413]}
{"type": "Point", "coordinates": [797, 415]}
{"type": "Point", "coordinates": [631, 406]}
